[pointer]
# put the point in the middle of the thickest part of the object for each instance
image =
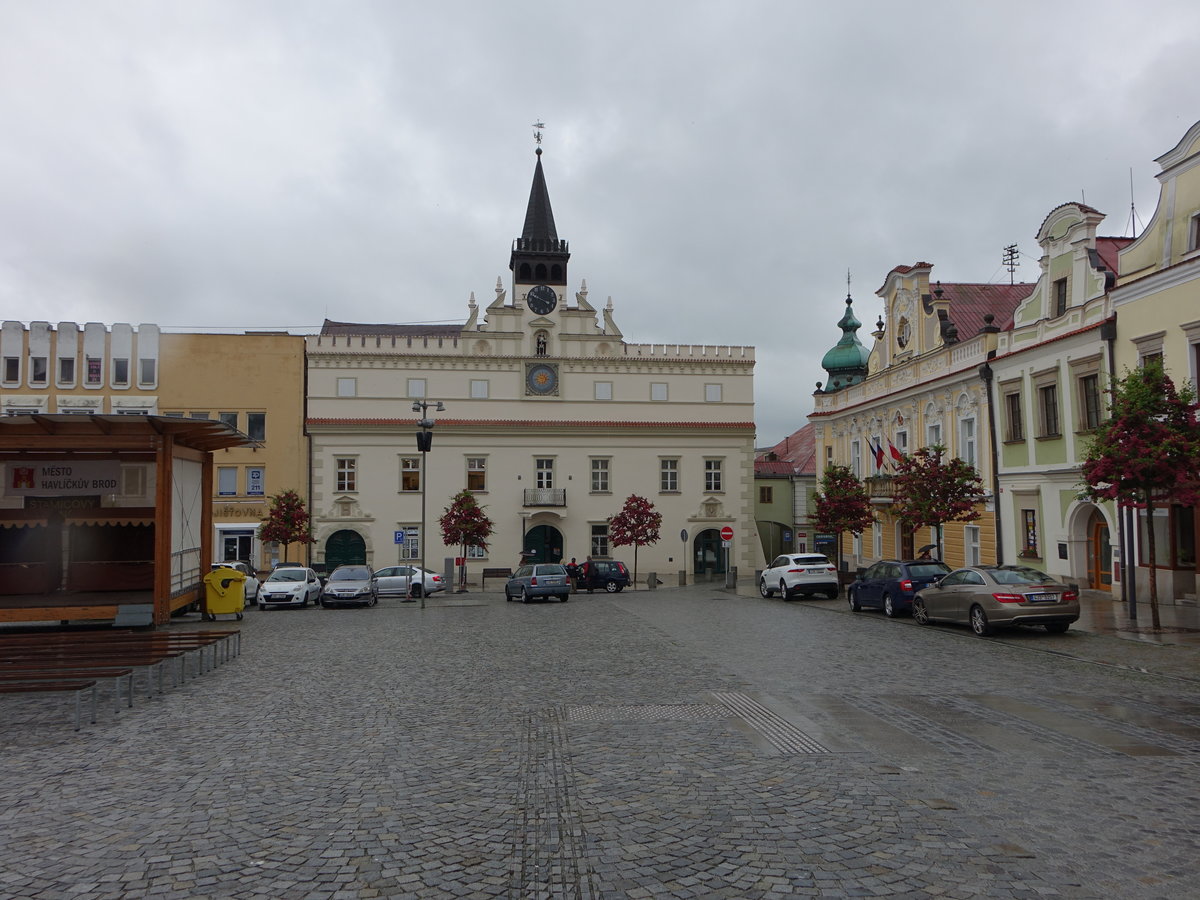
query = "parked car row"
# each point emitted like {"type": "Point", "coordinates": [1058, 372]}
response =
{"type": "Point", "coordinates": [983, 597]}
{"type": "Point", "coordinates": [292, 585]}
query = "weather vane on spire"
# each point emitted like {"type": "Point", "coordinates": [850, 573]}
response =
{"type": "Point", "coordinates": [537, 135]}
{"type": "Point", "coordinates": [847, 282]}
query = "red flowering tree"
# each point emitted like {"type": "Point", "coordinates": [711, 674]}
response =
{"type": "Point", "coordinates": [287, 521]}
{"type": "Point", "coordinates": [841, 505]}
{"type": "Point", "coordinates": [637, 523]}
{"type": "Point", "coordinates": [464, 524]}
{"type": "Point", "coordinates": [1147, 450]}
{"type": "Point", "coordinates": [932, 489]}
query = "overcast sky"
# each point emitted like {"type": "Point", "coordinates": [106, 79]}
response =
{"type": "Point", "coordinates": [716, 167]}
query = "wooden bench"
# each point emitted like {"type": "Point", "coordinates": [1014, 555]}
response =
{"type": "Point", "coordinates": [494, 573]}
{"type": "Point", "coordinates": [47, 687]}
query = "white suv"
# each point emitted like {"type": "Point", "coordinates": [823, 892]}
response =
{"type": "Point", "coordinates": [799, 573]}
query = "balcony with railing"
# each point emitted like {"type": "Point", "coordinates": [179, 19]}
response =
{"type": "Point", "coordinates": [545, 497]}
{"type": "Point", "coordinates": [881, 489]}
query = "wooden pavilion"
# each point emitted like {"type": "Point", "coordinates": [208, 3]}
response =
{"type": "Point", "coordinates": [101, 511]}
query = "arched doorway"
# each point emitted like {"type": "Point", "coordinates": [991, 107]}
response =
{"type": "Point", "coordinates": [345, 548]}
{"type": "Point", "coordinates": [543, 543]}
{"type": "Point", "coordinates": [708, 556]}
{"type": "Point", "coordinates": [1099, 551]}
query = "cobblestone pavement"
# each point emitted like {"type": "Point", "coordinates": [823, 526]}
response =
{"type": "Point", "coordinates": [678, 743]}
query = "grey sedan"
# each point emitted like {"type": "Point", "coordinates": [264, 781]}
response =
{"type": "Point", "coordinates": [539, 580]}
{"type": "Point", "coordinates": [989, 597]}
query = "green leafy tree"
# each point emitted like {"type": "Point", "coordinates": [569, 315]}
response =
{"type": "Point", "coordinates": [841, 505]}
{"type": "Point", "coordinates": [465, 524]}
{"type": "Point", "coordinates": [932, 489]}
{"type": "Point", "coordinates": [287, 522]}
{"type": "Point", "coordinates": [1147, 450]}
{"type": "Point", "coordinates": [637, 523]}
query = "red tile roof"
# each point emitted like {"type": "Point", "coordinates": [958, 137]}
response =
{"type": "Point", "coordinates": [969, 303]}
{"type": "Point", "coordinates": [797, 451]}
{"type": "Point", "coordinates": [1107, 249]}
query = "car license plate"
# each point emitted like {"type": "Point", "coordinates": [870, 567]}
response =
{"type": "Point", "coordinates": [1043, 598]}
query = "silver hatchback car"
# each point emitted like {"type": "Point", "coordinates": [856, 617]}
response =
{"type": "Point", "coordinates": [539, 580]}
{"type": "Point", "coordinates": [988, 597]}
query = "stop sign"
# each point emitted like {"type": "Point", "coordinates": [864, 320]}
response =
{"type": "Point", "coordinates": [727, 533]}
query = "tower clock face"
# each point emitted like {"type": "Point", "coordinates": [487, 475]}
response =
{"type": "Point", "coordinates": [542, 379]}
{"type": "Point", "coordinates": [541, 299]}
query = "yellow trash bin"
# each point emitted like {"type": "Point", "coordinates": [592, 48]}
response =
{"type": "Point", "coordinates": [224, 593]}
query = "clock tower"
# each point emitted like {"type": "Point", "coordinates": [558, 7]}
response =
{"type": "Point", "coordinates": [539, 258]}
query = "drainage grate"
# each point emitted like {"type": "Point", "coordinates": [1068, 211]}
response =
{"type": "Point", "coordinates": [649, 712]}
{"type": "Point", "coordinates": [781, 733]}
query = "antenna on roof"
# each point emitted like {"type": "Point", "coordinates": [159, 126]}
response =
{"type": "Point", "coordinates": [1011, 261]}
{"type": "Point", "coordinates": [1134, 222]}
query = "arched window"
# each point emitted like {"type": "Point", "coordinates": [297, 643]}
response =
{"type": "Point", "coordinates": [523, 273]}
{"type": "Point", "coordinates": [556, 273]}
{"type": "Point", "coordinates": [539, 273]}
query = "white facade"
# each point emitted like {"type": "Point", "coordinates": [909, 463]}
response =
{"type": "Point", "coordinates": [550, 418]}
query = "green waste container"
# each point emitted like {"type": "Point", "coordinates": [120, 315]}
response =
{"type": "Point", "coordinates": [224, 593]}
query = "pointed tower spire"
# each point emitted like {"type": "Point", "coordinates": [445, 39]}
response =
{"type": "Point", "coordinates": [538, 256]}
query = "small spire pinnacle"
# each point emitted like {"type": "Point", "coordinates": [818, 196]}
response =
{"type": "Point", "coordinates": [537, 135]}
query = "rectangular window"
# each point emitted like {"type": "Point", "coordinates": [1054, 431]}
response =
{"type": "Point", "coordinates": [766, 494]}
{"type": "Point", "coordinates": [133, 481]}
{"type": "Point", "coordinates": [602, 390]}
{"type": "Point", "coordinates": [933, 434]}
{"type": "Point", "coordinates": [1194, 232]}
{"type": "Point", "coordinates": [1089, 402]}
{"type": "Point", "coordinates": [147, 371]}
{"type": "Point", "coordinates": [600, 476]}
{"type": "Point", "coordinates": [1048, 410]}
{"type": "Point", "coordinates": [668, 476]}
{"type": "Point", "coordinates": [256, 426]}
{"type": "Point", "coordinates": [600, 540]}
{"type": "Point", "coordinates": [416, 388]}
{"type": "Point", "coordinates": [476, 553]}
{"type": "Point", "coordinates": [410, 547]}
{"type": "Point", "coordinates": [95, 370]}
{"type": "Point", "coordinates": [12, 369]}
{"type": "Point", "coordinates": [877, 541]}
{"type": "Point", "coordinates": [1013, 421]}
{"type": "Point", "coordinates": [347, 474]}
{"type": "Point", "coordinates": [544, 472]}
{"type": "Point", "coordinates": [476, 473]}
{"type": "Point", "coordinates": [347, 387]}
{"type": "Point", "coordinates": [38, 370]}
{"type": "Point", "coordinates": [712, 393]}
{"type": "Point", "coordinates": [228, 418]}
{"type": "Point", "coordinates": [1029, 541]}
{"type": "Point", "coordinates": [658, 392]}
{"type": "Point", "coordinates": [66, 370]}
{"type": "Point", "coordinates": [966, 441]}
{"type": "Point", "coordinates": [1060, 296]}
{"type": "Point", "coordinates": [712, 475]}
{"type": "Point", "coordinates": [971, 537]}
{"type": "Point", "coordinates": [198, 415]}
{"type": "Point", "coordinates": [479, 389]}
{"type": "Point", "coordinates": [227, 481]}
{"type": "Point", "coordinates": [410, 473]}
{"type": "Point", "coordinates": [902, 442]}
{"type": "Point", "coordinates": [120, 371]}
{"type": "Point", "coordinates": [856, 459]}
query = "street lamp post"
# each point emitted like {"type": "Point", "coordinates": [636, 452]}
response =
{"type": "Point", "coordinates": [424, 442]}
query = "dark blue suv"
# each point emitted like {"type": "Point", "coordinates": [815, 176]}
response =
{"type": "Point", "coordinates": [891, 584]}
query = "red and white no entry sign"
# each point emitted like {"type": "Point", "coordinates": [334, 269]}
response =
{"type": "Point", "coordinates": [727, 533]}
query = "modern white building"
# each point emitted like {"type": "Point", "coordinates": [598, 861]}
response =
{"type": "Point", "coordinates": [551, 418]}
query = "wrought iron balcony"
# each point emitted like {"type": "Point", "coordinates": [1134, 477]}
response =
{"type": "Point", "coordinates": [545, 496]}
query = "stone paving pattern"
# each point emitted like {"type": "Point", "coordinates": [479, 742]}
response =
{"type": "Point", "coordinates": [595, 749]}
